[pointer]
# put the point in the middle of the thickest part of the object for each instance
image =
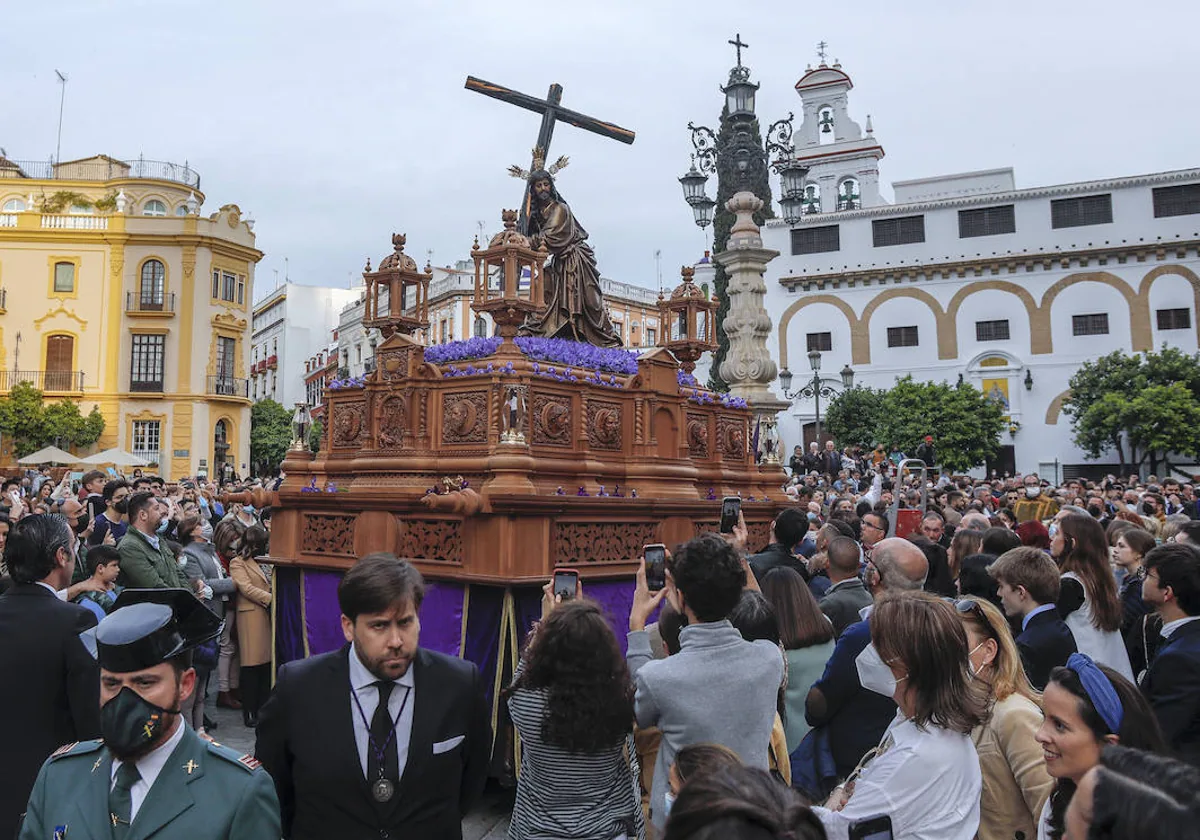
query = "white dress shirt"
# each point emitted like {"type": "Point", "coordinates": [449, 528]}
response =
{"type": "Point", "coordinates": [362, 684]}
{"type": "Point", "coordinates": [928, 781]}
{"type": "Point", "coordinates": [149, 766]}
{"type": "Point", "coordinates": [1171, 626]}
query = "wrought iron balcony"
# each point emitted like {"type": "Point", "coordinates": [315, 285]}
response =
{"type": "Point", "coordinates": [137, 304]}
{"type": "Point", "coordinates": [100, 169]}
{"type": "Point", "coordinates": [228, 386]}
{"type": "Point", "coordinates": [146, 386]}
{"type": "Point", "coordinates": [62, 381]}
{"type": "Point", "coordinates": [150, 456]}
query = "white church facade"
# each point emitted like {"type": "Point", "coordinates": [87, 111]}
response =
{"type": "Point", "coordinates": [966, 276]}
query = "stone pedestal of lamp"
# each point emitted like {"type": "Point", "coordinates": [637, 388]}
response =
{"type": "Point", "coordinates": [748, 366]}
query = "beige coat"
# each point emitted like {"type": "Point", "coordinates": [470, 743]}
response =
{"type": "Point", "coordinates": [1015, 782]}
{"type": "Point", "coordinates": [253, 611]}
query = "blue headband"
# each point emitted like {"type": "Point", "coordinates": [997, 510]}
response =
{"type": "Point", "coordinates": [1099, 690]}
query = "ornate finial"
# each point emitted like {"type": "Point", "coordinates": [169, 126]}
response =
{"type": "Point", "coordinates": [870, 128]}
{"type": "Point", "coordinates": [509, 218]}
{"type": "Point", "coordinates": [398, 240]}
{"type": "Point", "coordinates": [822, 51]}
{"type": "Point", "coordinates": [738, 44]}
{"type": "Point", "coordinates": [475, 247]}
{"type": "Point", "coordinates": [428, 267]}
{"type": "Point", "coordinates": [367, 270]}
{"type": "Point", "coordinates": [687, 272]}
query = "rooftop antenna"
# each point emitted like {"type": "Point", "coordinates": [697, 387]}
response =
{"type": "Point", "coordinates": [276, 270]}
{"type": "Point", "coordinates": [658, 268]}
{"type": "Point", "coordinates": [62, 80]}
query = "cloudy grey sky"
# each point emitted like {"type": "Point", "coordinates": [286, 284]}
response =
{"type": "Point", "coordinates": [336, 124]}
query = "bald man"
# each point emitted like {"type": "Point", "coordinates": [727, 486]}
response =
{"type": "Point", "coordinates": [856, 718]}
{"type": "Point", "coordinates": [975, 521]}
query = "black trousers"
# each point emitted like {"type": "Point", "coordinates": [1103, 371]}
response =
{"type": "Point", "coordinates": [256, 685]}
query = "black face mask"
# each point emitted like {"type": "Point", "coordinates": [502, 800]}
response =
{"type": "Point", "coordinates": [130, 723]}
{"type": "Point", "coordinates": [80, 524]}
{"type": "Point", "coordinates": [121, 507]}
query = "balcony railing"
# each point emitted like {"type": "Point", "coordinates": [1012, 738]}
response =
{"type": "Point", "coordinates": [228, 386]}
{"type": "Point", "coordinates": [136, 303]}
{"type": "Point", "coordinates": [150, 456]}
{"type": "Point", "coordinates": [100, 170]}
{"type": "Point", "coordinates": [43, 380]}
{"type": "Point", "coordinates": [146, 386]}
{"type": "Point", "coordinates": [8, 220]}
{"type": "Point", "coordinates": [60, 221]}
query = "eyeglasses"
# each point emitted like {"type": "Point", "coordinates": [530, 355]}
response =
{"type": "Point", "coordinates": [867, 524]}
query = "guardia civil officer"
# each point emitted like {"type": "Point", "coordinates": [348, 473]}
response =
{"type": "Point", "coordinates": [151, 774]}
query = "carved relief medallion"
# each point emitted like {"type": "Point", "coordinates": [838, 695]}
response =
{"type": "Point", "coordinates": [551, 420]}
{"type": "Point", "coordinates": [348, 424]}
{"type": "Point", "coordinates": [731, 438]}
{"type": "Point", "coordinates": [604, 425]}
{"type": "Point", "coordinates": [697, 435]}
{"type": "Point", "coordinates": [393, 364]}
{"type": "Point", "coordinates": [464, 417]}
{"type": "Point", "coordinates": [393, 422]}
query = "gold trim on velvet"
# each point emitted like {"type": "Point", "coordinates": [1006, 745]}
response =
{"type": "Point", "coordinates": [506, 610]}
{"type": "Point", "coordinates": [466, 607]}
{"type": "Point", "coordinates": [304, 616]}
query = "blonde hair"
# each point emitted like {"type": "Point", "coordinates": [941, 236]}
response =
{"type": "Point", "coordinates": [1007, 673]}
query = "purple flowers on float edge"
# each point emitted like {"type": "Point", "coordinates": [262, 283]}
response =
{"type": "Point", "coordinates": [479, 347]}
{"type": "Point", "coordinates": [686, 380]}
{"type": "Point", "coordinates": [348, 382]}
{"type": "Point", "coordinates": [579, 354]}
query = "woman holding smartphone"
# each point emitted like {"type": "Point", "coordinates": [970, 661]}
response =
{"type": "Point", "coordinates": [924, 774]}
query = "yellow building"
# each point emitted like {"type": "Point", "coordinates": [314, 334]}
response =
{"type": "Point", "coordinates": [115, 292]}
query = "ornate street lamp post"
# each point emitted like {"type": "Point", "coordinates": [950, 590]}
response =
{"type": "Point", "coordinates": [816, 388]}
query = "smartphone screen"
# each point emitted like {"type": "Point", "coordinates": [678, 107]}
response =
{"type": "Point", "coordinates": [656, 566]}
{"type": "Point", "coordinates": [872, 828]}
{"type": "Point", "coordinates": [731, 506]}
{"type": "Point", "coordinates": [564, 584]}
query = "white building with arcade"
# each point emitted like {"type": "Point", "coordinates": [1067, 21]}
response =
{"type": "Point", "coordinates": [967, 276]}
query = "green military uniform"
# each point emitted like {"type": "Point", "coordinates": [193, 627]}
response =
{"type": "Point", "coordinates": [204, 791]}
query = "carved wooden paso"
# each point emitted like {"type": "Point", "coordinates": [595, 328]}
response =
{"type": "Point", "coordinates": [406, 309]}
{"type": "Point", "coordinates": [687, 321]}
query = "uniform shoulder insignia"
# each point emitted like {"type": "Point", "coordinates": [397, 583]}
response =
{"type": "Point", "coordinates": [247, 762]}
{"type": "Point", "coordinates": [77, 748]}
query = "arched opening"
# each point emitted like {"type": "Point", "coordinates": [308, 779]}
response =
{"type": "Point", "coordinates": [849, 197]}
{"type": "Point", "coordinates": [221, 463]}
{"type": "Point", "coordinates": [825, 132]}
{"type": "Point", "coordinates": [812, 199]}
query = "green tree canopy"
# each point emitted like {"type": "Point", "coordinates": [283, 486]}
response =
{"type": "Point", "coordinates": [270, 435]}
{"type": "Point", "coordinates": [315, 433]}
{"type": "Point", "coordinates": [31, 424]}
{"type": "Point", "coordinates": [1143, 407]}
{"type": "Point", "coordinates": [965, 424]}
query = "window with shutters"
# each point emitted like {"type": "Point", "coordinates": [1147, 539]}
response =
{"type": "Point", "coordinates": [60, 363]}
{"type": "Point", "coordinates": [1082, 211]}
{"type": "Point", "coordinates": [902, 337]}
{"type": "Point", "coordinates": [902, 231]}
{"type": "Point", "coordinates": [1090, 324]}
{"type": "Point", "coordinates": [991, 330]}
{"type": "Point", "coordinates": [1183, 200]}
{"type": "Point", "coordinates": [816, 240]}
{"type": "Point", "coordinates": [986, 221]}
{"type": "Point", "coordinates": [821, 341]}
{"type": "Point", "coordinates": [147, 364]}
{"type": "Point", "coordinates": [1174, 319]}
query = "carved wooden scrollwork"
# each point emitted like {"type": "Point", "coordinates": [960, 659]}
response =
{"type": "Point", "coordinates": [393, 422]}
{"type": "Point", "coordinates": [551, 420]}
{"type": "Point", "coordinates": [464, 417]}
{"type": "Point", "coordinates": [437, 540]}
{"type": "Point", "coordinates": [604, 425]}
{"type": "Point", "coordinates": [731, 438]}
{"type": "Point", "coordinates": [758, 534]}
{"type": "Point", "coordinates": [328, 534]}
{"type": "Point", "coordinates": [349, 423]}
{"type": "Point", "coordinates": [392, 364]}
{"type": "Point", "coordinates": [697, 435]}
{"type": "Point", "coordinates": [588, 543]}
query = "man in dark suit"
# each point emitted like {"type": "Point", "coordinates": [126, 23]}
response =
{"type": "Point", "coordinates": [787, 530]}
{"type": "Point", "coordinates": [843, 602]}
{"type": "Point", "coordinates": [1027, 582]}
{"type": "Point", "coordinates": [857, 717]}
{"type": "Point", "coordinates": [50, 691]}
{"type": "Point", "coordinates": [831, 460]}
{"type": "Point", "coordinates": [380, 739]}
{"type": "Point", "coordinates": [1172, 685]}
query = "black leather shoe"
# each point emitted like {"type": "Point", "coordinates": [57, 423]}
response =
{"type": "Point", "coordinates": [250, 720]}
{"type": "Point", "coordinates": [209, 723]}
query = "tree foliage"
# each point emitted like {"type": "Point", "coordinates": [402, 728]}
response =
{"type": "Point", "coordinates": [730, 180]}
{"type": "Point", "coordinates": [270, 435]}
{"type": "Point", "coordinates": [965, 424]}
{"type": "Point", "coordinates": [1144, 407]}
{"type": "Point", "coordinates": [315, 433]}
{"type": "Point", "coordinates": [31, 424]}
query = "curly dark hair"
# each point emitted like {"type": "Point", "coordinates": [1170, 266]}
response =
{"type": "Point", "coordinates": [574, 656]}
{"type": "Point", "coordinates": [708, 574]}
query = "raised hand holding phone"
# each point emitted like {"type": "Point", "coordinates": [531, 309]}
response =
{"type": "Point", "coordinates": [644, 601]}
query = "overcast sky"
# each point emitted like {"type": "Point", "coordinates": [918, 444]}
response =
{"type": "Point", "coordinates": [336, 124]}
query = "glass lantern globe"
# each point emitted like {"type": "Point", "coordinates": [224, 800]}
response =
{"type": "Point", "coordinates": [739, 98]}
{"type": "Point", "coordinates": [703, 211]}
{"type": "Point", "coordinates": [693, 184]}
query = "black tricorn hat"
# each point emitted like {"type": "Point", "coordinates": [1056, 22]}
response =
{"type": "Point", "coordinates": [149, 626]}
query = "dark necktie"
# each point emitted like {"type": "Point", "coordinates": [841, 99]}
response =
{"type": "Point", "coordinates": [120, 801]}
{"type": "Point", "coordinates": [382, 738]}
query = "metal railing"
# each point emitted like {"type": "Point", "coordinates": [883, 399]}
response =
{"type": "Point", "coordinates": [43, 380]}
{"type": "Point", "coordinates": [150, 456]}
{"type": "Point", "coordinates": [228, 386]}
{"type": "Point", "coordinates": [100, 170]}
{"type": "Point", "coordinates": [135, 302]}
{"type": "Point", "coordinates": [146, 386]}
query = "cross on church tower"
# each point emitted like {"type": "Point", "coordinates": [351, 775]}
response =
{"type": "Point", "coordinates": [737, 42]}
{"type": "Point", "coordinates": [821, 50]}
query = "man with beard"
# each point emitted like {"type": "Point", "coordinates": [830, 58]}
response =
{"type": "Point", "coordinates": [574, 303]}
{"type": "Point", "coordinates": [48, 695]}
{"type": "Point", "coordinates": [382, 738]}
{"type": "Point", "coordinates": [151, 774]}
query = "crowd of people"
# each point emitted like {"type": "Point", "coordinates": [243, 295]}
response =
{"type": "Point", "coordinates": [911, 656]}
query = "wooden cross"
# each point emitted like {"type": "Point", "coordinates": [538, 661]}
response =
{"type": "Point", "coordinates": [737, 42]}
{"type": "Point", "coordinates": [552, 111]}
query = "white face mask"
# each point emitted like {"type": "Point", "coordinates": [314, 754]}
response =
{"type": "Point", "coordinates": [1033, 491]}
{"type": "Point", "coordinates": [668, 801]}
{"type": "Point", "coordinates": [971, 665]}
{"type": "Point", "coordinates": [874, 674]}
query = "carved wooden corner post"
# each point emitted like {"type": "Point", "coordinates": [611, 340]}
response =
{"type": "Point", "coordinates": [748, 367]}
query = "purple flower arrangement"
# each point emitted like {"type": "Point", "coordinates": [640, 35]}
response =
{"type": "Point", "coordinates": [348, 382]}
{"type": "Point", "coordinates": [330, 487]}
{"type": "Point", "coordinates": [579, 354]}
{"type": "Point", "coordinates": [474, 370]}
{"type": "Point", "coordinates": [704, 397]}
{"type": "Point", "coordinates": [479, 347]}
{"type": "Point", "coordinates": [686, 380]}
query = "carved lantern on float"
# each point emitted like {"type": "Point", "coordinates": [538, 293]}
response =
{"type": "Point", "coordinates": [508, 279]}
{"type": "Point", "coordinates": [406, 306]}
{"type": "Point", "coordinates": [688, 321]}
